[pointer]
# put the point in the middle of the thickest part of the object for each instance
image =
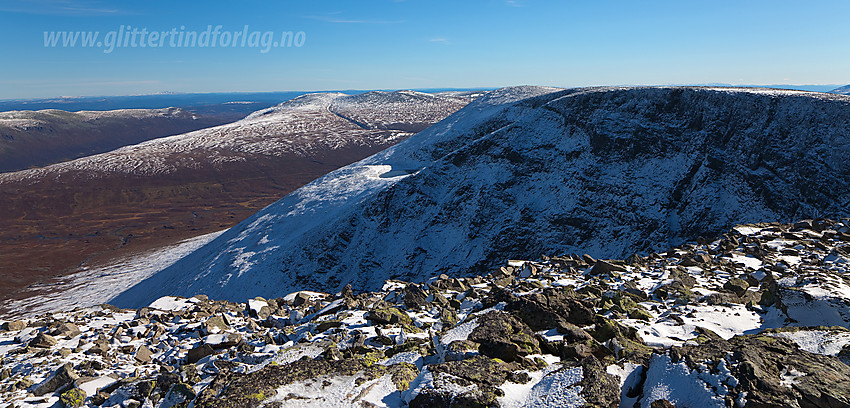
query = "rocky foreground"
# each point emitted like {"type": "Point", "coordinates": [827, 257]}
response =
{"type": "Point", "coordinates": [757, 318]}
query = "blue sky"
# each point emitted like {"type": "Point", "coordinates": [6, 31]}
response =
{"type": "Point", "coordinates": [392, 44]}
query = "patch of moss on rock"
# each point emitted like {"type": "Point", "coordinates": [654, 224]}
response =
{"type": "Point", "coordinates": [502, 336]}
{"type": "Point", "coordinates": [73, 398]}
{"type": "Point", "coordinates": [371, 358]}
{"type": "Point", "coordinates": [403, 374]}
{"type": "Point", "coordinates": [389, 315]}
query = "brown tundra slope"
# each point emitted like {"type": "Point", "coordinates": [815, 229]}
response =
{"type": "Point", "coordinates": [38, 138]}
{"type": "Point", "coordinates": [86, 211]}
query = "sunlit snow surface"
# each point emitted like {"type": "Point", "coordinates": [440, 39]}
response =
{"type": "Point", "coordinates": [726, 321]}
{"type": "Point", "coordinates": [677, 383]}
{"type": "Point", "coordinates": [554, 386]}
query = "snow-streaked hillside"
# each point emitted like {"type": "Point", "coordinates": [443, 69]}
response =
{"type": "Point", "coordinates": [302, 126]}
{"type": "Point", "coordinates": [842, 90]}
{"type": "Point", "coordinates": [525, 171]}
{"type": "Point", "coordinates": [38, 138]}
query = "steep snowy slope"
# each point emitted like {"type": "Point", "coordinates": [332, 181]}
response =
{"type": "Point", "coordinates": [157, 193]}
{"type": "Point", "coordinates": [525, 171]}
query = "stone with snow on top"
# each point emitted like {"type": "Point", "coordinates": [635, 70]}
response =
{"type": "Point", "coordinates": [215, 324]}
{"type": "Point", "coordinates": [223, 340]}
{"type": "Point", "coordinates": [762, 370]}
{"type": "Point", "coordinates": [60, 380]}
{"type": "Point", "coordinates": [172, 303]}
{"type": "Point", "coordinates": [259, 308]}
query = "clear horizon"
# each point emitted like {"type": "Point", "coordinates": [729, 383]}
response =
{"type": "Point", "coordinates": [803, 87]}
{"type": "Point", "coordinates": [157, 47]}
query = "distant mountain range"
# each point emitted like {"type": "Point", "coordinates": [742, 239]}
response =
{"type": "Point", "coordinates": [213, 102]}
{"type": "Point", "coordinates": [191, 101]}
{"type": "Point", "coordinates": [526, 171]}
{"type": "Point", "coordinates": [99, 207]}
{"type": "Point", "coordinates": [810, 88]}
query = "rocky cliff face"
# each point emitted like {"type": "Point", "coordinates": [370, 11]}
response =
{"type": "Point", "coordinates": [740, 321]}
{"type": "Point", "coordinates": [525, 171]}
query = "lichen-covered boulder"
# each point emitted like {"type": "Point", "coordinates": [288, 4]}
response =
{"type": "Point", "coordinates": [73, 398]}
{"type": "Point", "coordinates": [501, 336]}
{"type": "Point", "coordinates": [472, 382]}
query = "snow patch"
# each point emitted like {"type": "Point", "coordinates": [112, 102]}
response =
{"type": "Point", "coordinates": [678, 384]}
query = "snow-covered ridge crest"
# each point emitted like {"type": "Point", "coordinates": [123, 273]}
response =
{"type": "Point", "coordinates": [529, 170]}
{"type": "Point", "coordinates": [308, 101]}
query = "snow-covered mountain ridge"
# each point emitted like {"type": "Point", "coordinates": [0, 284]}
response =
{"type": "Point", "coordinates": [304, 125]}
{"type": "Point", "coordinates": [529, 170]}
